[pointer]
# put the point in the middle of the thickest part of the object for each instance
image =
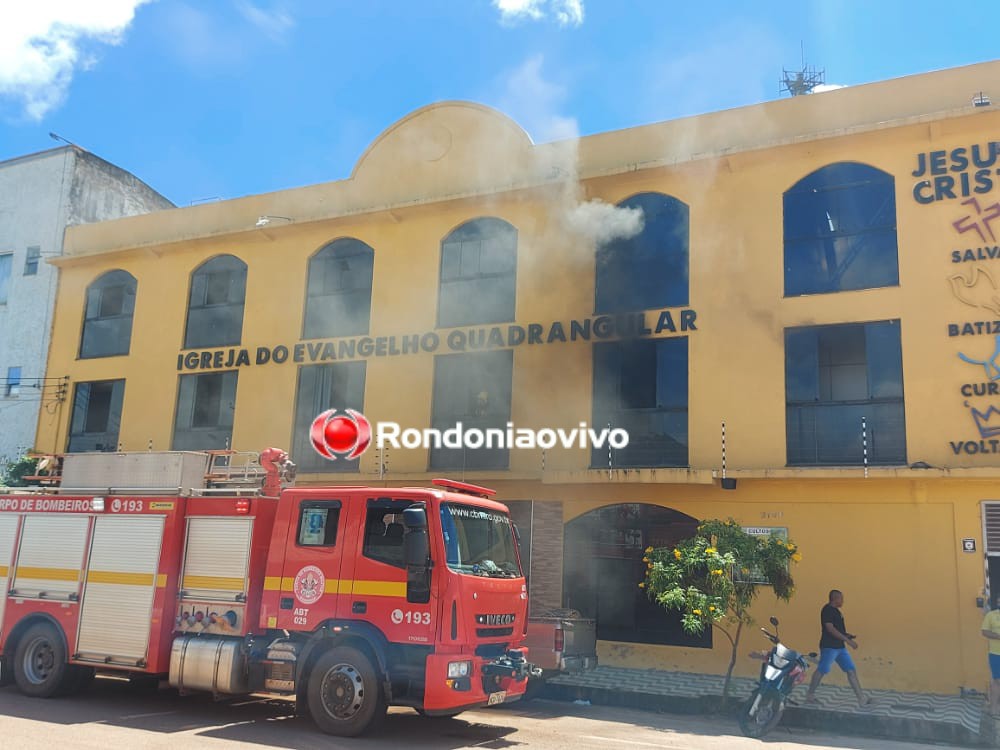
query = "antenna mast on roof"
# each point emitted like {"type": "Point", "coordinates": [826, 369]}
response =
{"type": "Point", "coordinates": [802, 81]}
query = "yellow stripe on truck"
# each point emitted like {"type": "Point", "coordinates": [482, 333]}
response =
{"type": "Point", "coordinates": [3, 571]}
{"type": "Point", "coordinates": [342, 586]}
{"type": "Point", "coordinates": [378, 588]}
{"type": "Point", "coordinates": [212, 583]}
{"type": "Point", "coordinates": [47, 574]}
{"type": "Point", "coordinates": [124, 579]}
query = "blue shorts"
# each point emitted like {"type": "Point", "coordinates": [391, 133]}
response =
{"type": "Point", "coordinates": [995, 666]}
{"type": "Point", "coordinates": [827, 656]}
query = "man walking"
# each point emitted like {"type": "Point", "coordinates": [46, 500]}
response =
{"type": "Point", "coordinates": [991, 630]}
{"type": "Point", "coordinates": [832, 649]}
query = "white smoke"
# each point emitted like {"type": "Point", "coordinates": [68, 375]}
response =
{"type": "Point", "coordinates": [535, 102]}
{"type": "Point", "coordinates": [603, 222]}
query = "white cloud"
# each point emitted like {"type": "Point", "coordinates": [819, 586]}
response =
{"type": "Point", "coordinates": [42, 43]}
{"type": "Point", "coordinates": [275, 22]}
{"type": "Point", "coordinates": [565, 12]}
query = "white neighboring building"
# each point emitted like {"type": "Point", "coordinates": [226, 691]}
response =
{"type": "Point", "coordinates": [40, 195]}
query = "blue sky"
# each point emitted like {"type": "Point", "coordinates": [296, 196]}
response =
{"type": "Point", "coordinates": [224, 98]}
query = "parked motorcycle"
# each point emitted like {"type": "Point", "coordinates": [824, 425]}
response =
{"type": "Point", "coordinates": [782, 670]}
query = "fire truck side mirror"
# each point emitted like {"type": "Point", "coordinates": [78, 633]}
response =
{"type": "Point", "coordinates": [416, 555]}
{"type": "Point", "coordinates": [416, 546]}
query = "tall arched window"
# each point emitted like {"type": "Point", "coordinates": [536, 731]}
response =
{"type": "Point", "coordinates": [840, 230]}
{"type": "Point", "coordinates": [215, 307]}
{"type": "Point", "coordinates": [339, 290]}
{"type": "Point", "coordinates": [107, 319]}
{"type": "Point", "coordinates": [478, 274]}
{"type": "Point", "coordinates": [602, 561]}
{"type": "Point", "coordinates": [649, 270]}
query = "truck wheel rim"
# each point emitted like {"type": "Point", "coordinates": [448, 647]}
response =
{"type": "Point", "coordinates": [343, 691]}
{"type": "Point", "coordinates": [39, 660]}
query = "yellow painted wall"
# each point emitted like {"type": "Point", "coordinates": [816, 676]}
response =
{"type": "Point", "coordinates": [892, 546]}
{"type": "Point", "coordinates": [890, 542]}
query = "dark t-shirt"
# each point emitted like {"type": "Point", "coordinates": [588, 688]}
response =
{"type": "Point", "coordinates": [831, 614]}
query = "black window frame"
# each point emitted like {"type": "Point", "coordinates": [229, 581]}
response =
{"type": "Point", "coordinates": [304, 455]}
{"type": "Point", "coordinates": [12, 387]}
{"type": "Point", "coordinates": [205, 430]}
{"type": "Point", "coordinates": [391, 506]}
{"type": "Point", "coordinates": [6, 281]}
{"type": "Point", "coordinates": [32, 256]}
{"type": "Point", "coordinates": [78, 433]}
{"type": "Point", "coordinates": [486, 459]}
{"type": "Point", "coordinates": [646, 265]}
{"type": "Point", "coordinates": [468, 307]}
{"type": "Point", "coordinates": [618, 412]}
{"type": "Point", "coordinates": [337, 251]}
{"type": "Point", "coordinates": [96, 318]}
{"type": "Point", "coordinates": [319, 505]}
{"type": "Point", "coordinates": [810, 411]}
{"type": "Point", "coordinates": [840, 189]}
{"type": "Point", "coordinates": [212, 337]}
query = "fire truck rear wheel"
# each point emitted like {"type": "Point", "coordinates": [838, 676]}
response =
{"type": "Point", "coordinates": [344, 693]}
{"type": "Point", "coordinates": [40, 666]}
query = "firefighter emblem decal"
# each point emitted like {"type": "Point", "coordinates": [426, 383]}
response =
{"type": "Point", "coordinates": [309, 584]}
{"type": "Point", "coordinates": [335, 434]}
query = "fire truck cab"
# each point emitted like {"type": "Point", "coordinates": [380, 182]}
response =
{"type": "Point", "coordinates": [350, 598]}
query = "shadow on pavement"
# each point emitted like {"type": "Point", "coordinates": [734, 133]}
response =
{"type": "Point", "coordinates": [269, 722]}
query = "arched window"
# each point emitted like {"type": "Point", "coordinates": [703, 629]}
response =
{"type": "Point", "coordinates": [215, 307]}
{"type": "Point", "coordinates": [478, 274]}
{"type": "Point", "coordinates": [339, 290]}
{"type": "Point", "coordinates": [602, 563]}
{"type": "Point", "coordinates": [107, 319]}
{"type": "Point", "coordinates": [649, 270]}
{"type": "Point", "coordinates": [840, 230]}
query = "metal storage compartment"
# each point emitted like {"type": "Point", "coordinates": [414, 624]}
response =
{"type": "Point", "coordinates": [173, 470]}
{"type": "Point", "coordinates": [119, 588]}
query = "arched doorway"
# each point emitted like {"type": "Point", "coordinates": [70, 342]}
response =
{"type": "Point", "coordinates": [602, 569]}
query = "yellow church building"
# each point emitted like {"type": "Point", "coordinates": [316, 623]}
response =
{"type": "Point", "coordinates": [792, 308]}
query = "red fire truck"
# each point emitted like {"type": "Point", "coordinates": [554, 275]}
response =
{"type": "Point", "coordinates": [348, 598]}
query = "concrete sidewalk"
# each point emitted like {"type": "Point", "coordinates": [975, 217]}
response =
{"type": "Point", "coordinates": [904, 716]}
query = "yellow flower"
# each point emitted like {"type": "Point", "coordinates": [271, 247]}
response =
{"type": "Point", "coordinates": [648, 550]}
{"type": "Point", "coordinates": [797, 557]}
{"type": "Point", "coordinates": [649, 566]}
{"type": "Point", "coordinates": [711, 609]}
{"type": "Point", "coordinates": [717, 572]}
{"type": "Point", "coordinates": [677, 554]}
{"type": "Point", "coordinates": [710, 551]}
{"type": "Point", "coordinates": [697, 612]}
{"type": "Point", "coordinates": [642, 585]}
{"type": "Point", "coordinates": [645, 559]}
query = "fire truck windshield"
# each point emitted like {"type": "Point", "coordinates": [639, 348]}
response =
{"type": "Point", "coordinates": [478, 541]}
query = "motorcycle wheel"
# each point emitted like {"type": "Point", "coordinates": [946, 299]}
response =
{"type": "Point", "coordinates": [757, 722]}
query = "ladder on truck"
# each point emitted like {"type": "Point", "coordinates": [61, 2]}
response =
{"type": "Point", "coordinates": [196, 473]}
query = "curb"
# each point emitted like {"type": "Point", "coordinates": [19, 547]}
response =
{"type": "Point", "coordinates": [835, 722]}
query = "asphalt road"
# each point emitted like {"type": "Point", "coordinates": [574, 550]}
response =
{"type": "Point", "coordinates": [114, 715]}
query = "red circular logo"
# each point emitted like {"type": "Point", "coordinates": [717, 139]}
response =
{"type": "Point", "coordinates": [346, 434]}
{"type": "Point", "coordinates": [309, 585]}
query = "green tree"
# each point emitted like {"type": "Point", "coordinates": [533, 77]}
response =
{"type": "Point", "coordinates": [15, 471]}
{"type": "Point", "coordinates": [713, 578]}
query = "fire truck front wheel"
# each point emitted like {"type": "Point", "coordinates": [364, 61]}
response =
{"type": "Point", "coordinates": [40, 666]}
{"type": "Point", "coordinates": [344, 694]}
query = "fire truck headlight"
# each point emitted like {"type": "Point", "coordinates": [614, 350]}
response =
{"type": "Point", "coordinates": [97, 504]}
{"type": "Point", "coordinates": [459, 669]}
